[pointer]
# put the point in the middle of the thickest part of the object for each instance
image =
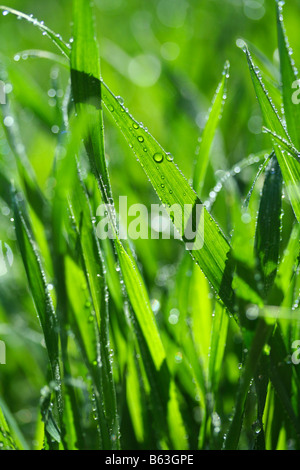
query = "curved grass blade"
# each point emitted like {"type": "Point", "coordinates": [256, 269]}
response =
{"type": "Point", "coordinates": [290, 168]}
{"type": "Point", "coordinates": [209, 132]}
{"type": "Point", "coordinates": [261, 169]}
{"type": "Point", "coordinates": [134, 283]}
{"type": "Point", "coordinates": [56, 38]}
{"type": "Point", "coordinates": [284, 144]}
{"type": "Point", "coordinates": [269, 112]}
{"type": "Point", "coordinates": [213, 257]}
{"type": "Point", "coordinates": [210, 249]}
{"type": "Point", "coordinates": [41, 54]}
{"type": "Point", "coordinates": [289, 76]}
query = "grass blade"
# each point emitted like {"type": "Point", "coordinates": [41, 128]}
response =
{"type": "Point", "coordinates": [209, 132]}
{"type": "Point", "coordinates": [86, 88]}
{"type": "Point", "coordinates": [177, 195]}
{"type": "Point", "coordinates": [56, 38]}
{"type": "Point", "coordinates": [267, 237]}
{"type": "Point", "coordinates": [6, 439]}
{"type": "Point", "coordinates": [289, 75]}
{"type": "Point", "coordinates": [290, 168]}
{"type": "Point", "coordinates": [42, 300]}
{"type": "Point", "coordinates": [262, 334]}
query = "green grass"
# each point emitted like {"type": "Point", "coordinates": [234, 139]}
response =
{"type": "Point", "coordinates": [142, 343]}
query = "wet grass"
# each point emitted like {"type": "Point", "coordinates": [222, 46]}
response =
{"type": "Point", "coordinates": [147, 343]}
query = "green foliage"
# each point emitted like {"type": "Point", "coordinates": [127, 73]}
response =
{"type": "Point", "coordinates": [142, 343]}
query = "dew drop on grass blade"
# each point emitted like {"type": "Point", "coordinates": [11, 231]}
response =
{"type": "Point", "coordinates": [56, 38]}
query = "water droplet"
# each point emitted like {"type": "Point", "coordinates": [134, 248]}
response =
{"type": "Point", "coordinates": [140, 138]}
{"type": "Point", "coordinates": [8, 121]}
{"type": "Point", "coordinates": [178, 357]}
{"type": "Point", "coordinates": [158, 157]}
{"type": "Point", "coordinates": [5, 13]}
{"type": "Point", "coordinates": [169, 157]}
{"type": "Point", "coordinates": [257, 427]}
{"type": "Point", "coordinates": [111, 108]}
{"type": "Point", "coordinates": [135, 125]}
{"type": "Point", "coordinates": [6, 258]}
{"type": "Point", "coordinates": [120, 99]}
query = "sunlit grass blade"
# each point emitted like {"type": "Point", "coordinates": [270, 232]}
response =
{"type": "Point", "coordinates": [284, 144]}
{"type": "Point", "coordinates": [213, 257]}
{"type": "Point", "coordinates": [96, 279]}
{"type": "Point", "coordinates": [267, 239]}
{"type": "Point", "coordinates": [290, 168]}
{"type": "Point", "coordinates": [6, 439]}
{"type": "Point", "coordinates": [289, 76]}
{"type": "Point", "coordinates": [209, 131]}
{"type": "Point", "coordinates": [15, 434]}
{"type": "Point", "coordinates": [141, 304]}
{"type": "Point", "coordinates": [86, 88]}
{"type": "Point", "coordinates": [56, 38]}
{"type": "Point", "coordinates": [217, 346]}
{"type": "Point", "coordinates": [269, 112]}
{"type": "Point", "coordinates": [177, 195]}
{"type": "Point", "coordinates": [91, 328]}
{"type": "Point", "coordinates": [135, 397]}
{"type": "Point", "coordinates": [175, 421]}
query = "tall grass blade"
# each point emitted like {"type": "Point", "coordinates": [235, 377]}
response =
{"type": "Point", "coordinates": [86, 88]}
{"type": "Point", "coordinates": [289, 76]}
{"type": "Point", "coordinates": [262, 334]}
{"type": "Point", "coordinates": [268, 229]}
{"type": "Point", "coordinates": [209, 132]}
{"type": "Point", "coordinates": [40, 294]}
{"type": "Point", "coordinates": [290, 168]}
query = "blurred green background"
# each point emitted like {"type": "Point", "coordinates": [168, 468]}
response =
{"type": "Point", "coordinates": [165, 58]}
